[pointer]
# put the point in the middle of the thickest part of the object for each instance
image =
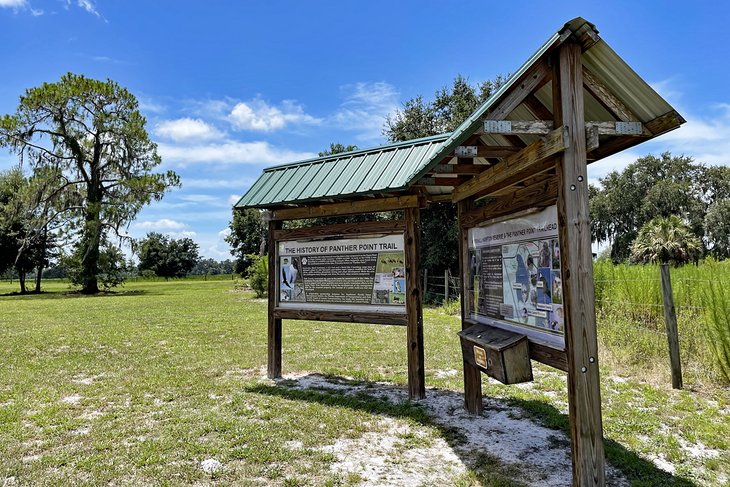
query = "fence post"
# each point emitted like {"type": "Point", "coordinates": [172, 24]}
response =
{"type": "Point", "coordinates": [446, 286]}
{"type": "Point", "coordinates": [670, 318]}
{"type": "Point", "coordinates": [425, 282]}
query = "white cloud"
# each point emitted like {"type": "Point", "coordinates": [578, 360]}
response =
{"type": "Point", "coordinates": [230, 152]}
{"type": "Point", "coordinates": [259, 116]}
{"type": "Point", "coordinates": [161, 225]}
{"type": "Point", "coordinates": [13, 4]}
{"type": "Point", "coordinates": [88, 6]}
{"type": "Point", "coordinates": [233, 199]}
{"type": "Point", "coordinates": [186, 129]}
{"type": "Point", "coordinates": [704, 137]}
{"type": "Point", "coordinates": [365, 108]}
{"type": "Point", "coordinates": [207, 183]}
{"type": "Point", "coordinates": [224, 233]}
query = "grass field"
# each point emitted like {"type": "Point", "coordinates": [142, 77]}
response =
{"type": "Point", "coordinates": [140, 386]}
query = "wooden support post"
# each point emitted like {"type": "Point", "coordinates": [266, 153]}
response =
{"type": "Point", "coordinates": [416, 370]}
{"type": "Point", "coordinates": [446, 286]}
{"type": "Point", "coordinates": [274, 329]}
{"type": "Point", "coordinates": [670, 317]}
{"type": "Point", "coordinates": [584, 393]}
{"type": "Point", "coordinates": [472, 375]}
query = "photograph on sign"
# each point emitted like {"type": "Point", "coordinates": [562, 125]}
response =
{"type": "Point", "coordinates": [515, 276]}
{"type": "Point", "coordinates": [353, 272]}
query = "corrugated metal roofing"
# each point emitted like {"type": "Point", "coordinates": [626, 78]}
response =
{"type": "Point", "coordinates": [396, 167]}
{"type": "Point", "coordinates": [368, 171]}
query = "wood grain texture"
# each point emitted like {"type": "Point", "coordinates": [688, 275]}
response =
{"type": "Point", "coordinates": [526, 85]}
{"type": "Point", "coordinates": [341, 316]}
{"type": "Point", "coordinates": [605, 97]}
{"type": "Point", "coordinates": [414, 311]}
{"type": "Point", "coordinates": [472, 376]}
{"type": "Point", "coordinates": [584, 395]}
{"type": "Point", "coordinates": [523, 127]}
{"type": "Point", "coordinates": [342, 229]}
{"type": "Point", "coordinates": [274, 324]}
{"type": "Point", "coordinates": [538, 195]}
{"type": "Point", "coordinates": [347, 208]}
{"type": "Point", "coordinates": [670, 318]}
{"type": "Point", "coordinates": [533, 159]}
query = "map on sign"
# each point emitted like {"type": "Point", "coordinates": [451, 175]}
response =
{"type": "Point", "coordinates": [516, 277]}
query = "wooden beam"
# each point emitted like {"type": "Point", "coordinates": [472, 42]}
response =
{"type": "Point", "coordinates": [536, 107]}
{"type": "Point", "coordinates": [494, 151]}
{"type": "Point", "coordinates": [414, 312]}
{"type": "Point", "coordinates": [472, 375]}
{"type": "Point", "coordinates": [458, 168]}
{"type": "Point", "coordinates": [360, 228]}
{"type": "Point", "coordinates": [348, 208]}
{"type": "Point", "coordinates": [541, 194]}
{"type": "Point", "coordinates": [592, 139]}
{"type": "Point", "coordinates": [584, 393]}
{"type": "Point", "coordinates": [606, 98]}
{"type": "Point", "coordinates": [664, 123]}
{"type": "Point", "coordinates": [341, 316]}
{"type": "Point", "coordinates": [549, 356]}
{"type": "Point", "coordinates": [453, 182]}
{"type": "Point", "coordinates": [274, 333]}
{"type": "Point", "coordinates": [529, 161]}
{"type": "Point", "coordinates": [515, 127]}
{"type": "Point", "coordinates": [527, 84]}
{"type": "Point", "coordinates": [631, 129]}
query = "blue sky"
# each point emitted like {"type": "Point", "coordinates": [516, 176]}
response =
{"type": "Point", "coordinates": [229, 88]}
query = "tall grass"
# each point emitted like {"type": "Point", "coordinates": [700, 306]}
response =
{"type": "Point", "coordinates": [631, 326]}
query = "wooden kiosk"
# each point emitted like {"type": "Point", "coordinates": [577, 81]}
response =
{"type": "Point", "coordinates": [516, 168]}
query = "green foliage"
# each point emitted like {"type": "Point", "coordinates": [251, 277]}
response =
{"type": "Point", "coordinates": [419, 118]}
{"type": "Point", "coordinates": [666, 240]}
{"type": "Point", "coordinates": [631, 324]}
{"type": "Point", "coordinates": [717, 228]}
{"type": "Point", "coordinates": [654, 187]}
{"type": "Point", "coordinates": [92, 137]}
{"type": "Point", "coordinates": [166, 257]}
{"type": "Point", "coordinates": [258, 274]}
{"type": "Point", "coordinates": [247, 236]}
{"type": "Point", "coordinates": [717, 318]}
{"type": "Point", "coordinates": [337, 148]}
{"type": "Point", "coordinates": [450, 107]}
{"type": "Point", "coordinates": [111, 269]}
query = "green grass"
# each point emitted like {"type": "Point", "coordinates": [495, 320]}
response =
{"type": "Point", "coordinates": [139, 386]}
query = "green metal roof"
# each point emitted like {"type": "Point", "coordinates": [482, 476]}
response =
{"type": "Point", "coordinates": [396, 167]}
{"type": "Point", "coordinates": [387, 168]}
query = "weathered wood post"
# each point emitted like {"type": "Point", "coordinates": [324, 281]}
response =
{"type": "Point", "coordinates": [416, 369]}
{"type": "Point", "coordinates": [670, 318]}
{"type": "Point", "coordinates": [446, 286]}
{"type": "Point", "coordinates": [472, 375]}
{"type": "Point", "coordinates": [584, 393]}
{"type": "Point", "coordinates": [274, 327]}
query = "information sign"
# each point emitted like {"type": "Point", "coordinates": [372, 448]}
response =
{"type": "Point", "coordinates": [354, 273]}
{"type": "Point", "coordinates": [516, 282]}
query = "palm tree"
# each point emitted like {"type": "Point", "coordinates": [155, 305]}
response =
{"type": "Point", "coordinates": [666, 240]}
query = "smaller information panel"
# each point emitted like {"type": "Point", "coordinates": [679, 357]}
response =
{"type": "Point", "coordinates": [516, 282]}
{"type": "Point", "coordinates": [358, 273]}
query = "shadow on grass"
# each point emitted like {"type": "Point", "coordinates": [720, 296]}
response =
{"type": "Point", "coordinates": [486, 467]}
{"type": "Point", "coordinates": [75, 294]}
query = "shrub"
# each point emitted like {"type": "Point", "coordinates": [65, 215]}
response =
{"type": "Point", "coordinates": [258, 274]}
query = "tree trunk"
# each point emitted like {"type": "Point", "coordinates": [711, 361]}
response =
{"type": "Point", "coordinates": [91, 239]}
{"type": "Point", "coordinates": [21, 279]}
{"type": "Point", "coordinates": [38, 277]}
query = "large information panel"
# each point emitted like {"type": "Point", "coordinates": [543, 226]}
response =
{"type": "Point", "coordinates": [345, 273]}
{"type": "Point", "coordinates": [514, 268]}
